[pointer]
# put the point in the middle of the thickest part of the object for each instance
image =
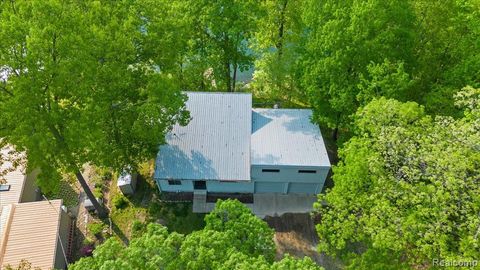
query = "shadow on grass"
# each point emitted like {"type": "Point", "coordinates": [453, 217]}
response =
{"type": "Point", "coordinates": [145, 206]}
{"type": "Point", "coordinates": [117, 231]}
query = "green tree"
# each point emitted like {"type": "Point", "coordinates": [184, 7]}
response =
{"type": "Point", "coordinates": [215, 247]}
{"type": "Point", "coordinates": [80, 89]}
{"type": "Point", "coordinates": [278, 43]}
{"type": "Point", "coordinates": [420, 51]}
{"type": "Point", "coordinates": [255, 235]}
{"type": "Point", "coordinates": [446, 51]}
{"type": "Point", "coordinates": [222, 32]}
{"type": "Point", "coordinates": [406, 189]}
{"type": "Point", "coordinates": [344, 37]}
{"type": "Point", "coordinates": [23, 265]}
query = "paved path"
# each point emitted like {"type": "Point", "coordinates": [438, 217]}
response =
{"type": "Point", "coordinates": [266, 204]}
{"type": "Point", "coordinates": [279, 204]}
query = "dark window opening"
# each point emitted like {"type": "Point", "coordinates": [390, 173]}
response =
{"type": "Point", "coordinates": [270, 170]}
{"type": "Point", "coordinates": [174, 182]}
{"type": "Point", "coordinates": [200, 185]}
{"type": "Point", "coordinates": [307, 171]}
{"type": "Point", "coordinates": [4, 187]}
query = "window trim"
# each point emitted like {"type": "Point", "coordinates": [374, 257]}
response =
{"type": "Point", "coordinates": [270, 170]}
{"type": "Point", "coordinates": [173, 182]}
{"type": "Point", "coordinates": [307, 171]}
{"type": "Point", "coordinates": [4, 187]}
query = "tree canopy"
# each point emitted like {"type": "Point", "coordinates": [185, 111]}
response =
{"type": "Point", "coordinates": [80, 88]}
{"type": "Point", "coordinates": [279, 46]}
{"type": "Point", "coordinates": [418, 51]}
{"type": "Point", "coordinates": [407, 188]}
{"type": "Point", "coordinates": [233, 238]}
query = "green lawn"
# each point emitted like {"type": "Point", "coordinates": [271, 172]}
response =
{"type": "Point", "coordinates": [145, 207]}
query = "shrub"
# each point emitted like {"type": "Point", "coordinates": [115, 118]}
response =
{"type": "Point", "coordinates": [87, 250]}
{"type": "Point", "coordinates": [98, 193]}
{"type": "Point", "coordinates": [138, 228]}
{"type": "Point", "coordinates": [88, 241]}
{"type": "Point", "coordinates": [154, 208]}
{"type": "Point", "coordinates": [107, 176]}
{"type": "Point", "coordinates": [119, 201]}
{"type": "Point", "coordinates": [97, 182]}
{"type": "Point", "coordinates": [96, 228]}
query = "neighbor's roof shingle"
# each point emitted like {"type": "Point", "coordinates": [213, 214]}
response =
{"type": "Point", "coordinates": [16, 178]}
{"type": "Point", "coordinates": [216, 142]}
{"type": "Point", "coordinates": [31, 234]}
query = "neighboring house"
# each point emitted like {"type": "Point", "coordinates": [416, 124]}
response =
{"type": "Point", "coordinates": [230, 149]}
{"type": "Point", "coordinates": [29, 229]}
{"type": "Point", "coordinates": [15, 185]}
{"type": "Point", "coordinates": [37, 232]}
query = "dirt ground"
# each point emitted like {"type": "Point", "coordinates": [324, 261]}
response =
{"type": "Point", "coordinates": [295, 234]}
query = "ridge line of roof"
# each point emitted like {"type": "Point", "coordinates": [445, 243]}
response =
{"type": "Point", "coordinates": [218, 92]}
{"type": "Point", "coordinates": [283, 109]}
{"type": "Point", "coordinates": [6, 232]}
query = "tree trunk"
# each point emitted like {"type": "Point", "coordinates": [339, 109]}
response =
{"type": "Point", "coordinates": [102, 213]}
{"type": "Point", "coordinates": [335, 134]}
{"type": "Point", "coordinates": [235, 66]}
{"type": "Point", "coordinates": [279, 44]}
{"type": "Point", "coordinates": [228, 79]}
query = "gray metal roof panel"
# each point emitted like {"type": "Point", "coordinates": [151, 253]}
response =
{"type": "Point", "coordinates": [216, 142]}
{"type": "Point", "coordinates": [286, 137]}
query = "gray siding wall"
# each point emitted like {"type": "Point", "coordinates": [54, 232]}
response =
{"type": "Point", "coordinates": [230, 187]}
{"type": "Point", "coordinates": [270, 187]}
{"type": "Point", "coordinates": [212, 186]}
{"type": "Point", "coordinates": [289, 174]}
{"type": "Point", "coordinates": [63, 232]}
{"type": "Point", "coordinates": [186, 186]}
{"type": "Point", "coordinates": [304, 188]}
{"type": "Point", "coordinates": [287, 180]}
{"type": "Point", "coordinates": [29, 192]}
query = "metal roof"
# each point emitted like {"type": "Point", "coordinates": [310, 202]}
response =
{"type": "Point", "coordinates": [30, 233]}
{"type": "Point", "coordinates": [286, 137]}
{"type": "Point", "coordinates": [216, 142]}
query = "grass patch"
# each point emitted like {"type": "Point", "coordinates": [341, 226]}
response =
{"type": "Point", "coordinates": [131, 213]}
{"type": "Point", "coordinates": [176, 216]}
{"type": "Point", "coordinates": [96, 228]}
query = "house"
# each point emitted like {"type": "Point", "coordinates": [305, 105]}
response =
{"type": "Point", "coordinates": [15, 185]}
{"type": "Point", "coordinates": [37, 231]}
{"type": "Point", "coordinates": [231, 150]}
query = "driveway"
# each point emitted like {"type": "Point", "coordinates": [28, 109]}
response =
{"type": "Point", "coordinates": [265, 204]}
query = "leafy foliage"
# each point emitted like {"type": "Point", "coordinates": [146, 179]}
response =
{"type": "Point", "coordinates": [344, 40]}
{"type": "Point", "coordinates": [278, 43]}
{"type": "Point", "coordinates": [95, 228]}
{"type": "Point", "coordinates": [406, 190]}
{"type": "Point", "coordinates": [81, 88]}
{"type": "Point", "coordinates": [418, 51]}
{"type": "Point", "coordinates": [23, 265]}
{"type": "Point", "coordinates": [222, 32]}
{"type": "Point", "coordinates": [119, 201]}
{"type": "Point", "coordinates": [218, 246]}
{"type": "Point", "coordinates": [255, 235]}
